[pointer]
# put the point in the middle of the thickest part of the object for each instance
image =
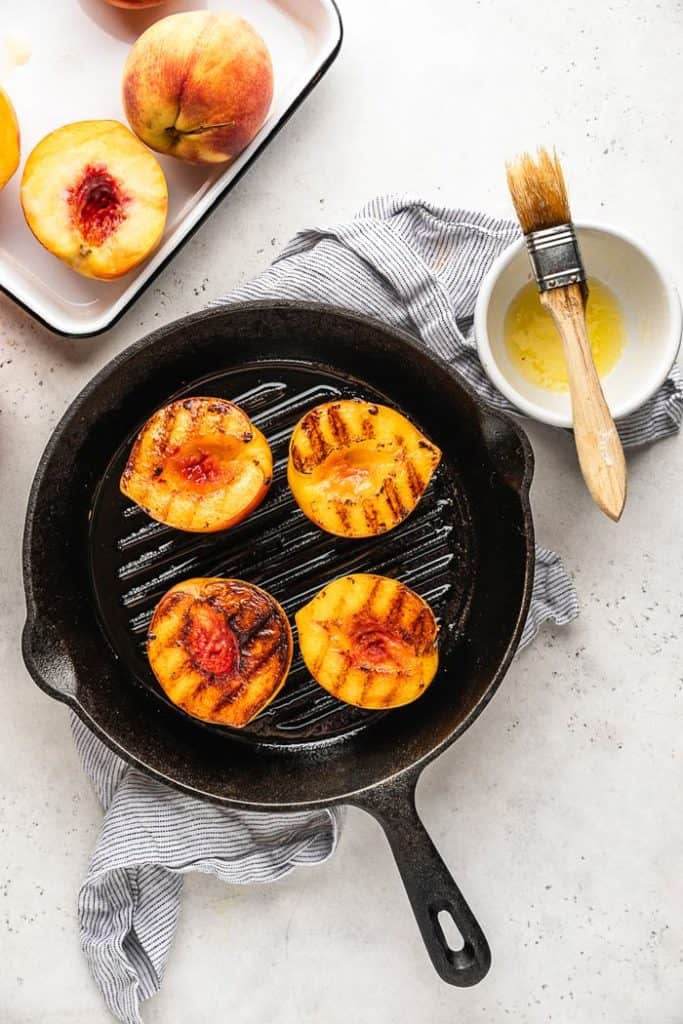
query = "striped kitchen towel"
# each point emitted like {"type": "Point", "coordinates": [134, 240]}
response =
{"type": "Point", "coordinates": [415, 266]}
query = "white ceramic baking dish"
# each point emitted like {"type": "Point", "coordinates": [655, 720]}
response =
{"type": "Point", "coordinates": [78, 49]}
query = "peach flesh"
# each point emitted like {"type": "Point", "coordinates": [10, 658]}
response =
{"type": "Point", "coordinates": [203, 462]}
{"type": "Point", "coordinates": [373, 644]}
{"type": "Point", "coordinates": [200, 469]}
{"type": "Point", "coordinates": [95, 197]}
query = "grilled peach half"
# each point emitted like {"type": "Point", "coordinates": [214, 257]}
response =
{"type": "Point", "coordinates": [357, 469]}
{"type": "Point", "coordinates": [199, 464]}
{"type": "Point", "coordinates": [369, 641]}
{"type": "Point", "coordinates": [220, 649]}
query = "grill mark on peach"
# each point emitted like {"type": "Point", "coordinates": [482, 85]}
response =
{"type": "Point", "coordinates": [220, 407]}
{"type": "Point", "coordinates": [261, 647]}
{"type": "Point", "coordinates": [343, 513]}
{"type": "Point", "coordinates": [366, 607]}
{"type": "Point", "coordinates": [277, 652]}
{"type": "Point", "coordinates": [248, 634]}
{"type": "Point", "coordinates": [190, 405]}
{"type": "Point", "coordinates": [319, 446]}
{"type": "Point", "coordinates": [217, 591]}
{"type": "Point", "coordinates": [326, 650]}
{"type": "Point", "coordinates": [167, 604]}
{"type": "Point", "coordinates": [372, 517]}
{"type": "Point", "coordinates": [183, 668]}
{"type": "Point", "coordinates": [209, 683]}
{"type": "Point", "coordinates": [337, 614]}
{"type": "Point", "coordinates": [342, 677]}
{"type": "Point", "coordinates": [388, 699]}
{"type": "Point", "coordinates": [422, 631]}
{"type": "Point", "coordinates": [394, 500]}
{"type": "Point", "coordinates": [167, 423]}
{"type": "Point", "coordinates": [429, 447]}
{"type": "Point", "coordinates": [374, 590]}
{"type": "Point", "coordinates": [229, 697]}
{"type": "Point", "coordinates": [367, 683]}
{"type": "Point", "coordinates": [297, 459]}
{"type": "Point", "coordinates": [337, 425]}
{"type": "Point", "coordinates": [253, 702]}
{"type": "Point", "coordinates": [168, 506]}
{"type": "Point", "coordinates": [396, 608]}
{"type": "Point", "coordinates": [415, 482]}
{"type": "Point", "coordinates": [133, 458]}
{"type": "Point", "coordinates": [368, 426]}
{"type": "Point", "coordinates": [250, 612]}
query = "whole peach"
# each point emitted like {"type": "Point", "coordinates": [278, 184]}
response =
{"type": "Point", "coordinates": [198, 86]}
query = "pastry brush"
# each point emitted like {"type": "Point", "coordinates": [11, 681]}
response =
{"type": "Point", "coordinates": [540, 198]}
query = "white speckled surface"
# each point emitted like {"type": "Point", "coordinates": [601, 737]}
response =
{"type": "Point", "coordinates": [560, 810]}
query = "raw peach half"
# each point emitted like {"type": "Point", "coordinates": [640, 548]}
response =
{"type": "Point", "coordinates": [199, 464]}
{"type": "Point", "coordinates": [369, 640]}
{"type": "Point", "coordinates": [94, 196]}
{"type": "Point", "coordinates": [198, 85]}
{"type": "Point", "coordinates": [9, 139]}
{"type": "Point", "coordinates": [220, 649]}
{"type": "Point", "coordinates": [357, 468]}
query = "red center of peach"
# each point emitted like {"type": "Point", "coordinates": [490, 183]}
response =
{"type": "Point", "coordinates": [200, 468]}
{"type": "Point", "coordinates": [374, 645]}
{"type": "Point", "coordinates": [97, 203]}
{"type": "Point", "coordinates": [210, 641]}
{"type": "Point", "coordinates": [343, 466]}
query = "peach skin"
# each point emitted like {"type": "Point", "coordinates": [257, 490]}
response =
{"type": "Point", "coordinates": [198, 86]}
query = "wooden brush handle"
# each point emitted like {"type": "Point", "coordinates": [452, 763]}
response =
{"type": "Point", "coordinates": [601, 456]}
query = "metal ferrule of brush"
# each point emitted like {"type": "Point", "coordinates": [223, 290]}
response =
{"type": "Point", "coordinates": [555, 258]}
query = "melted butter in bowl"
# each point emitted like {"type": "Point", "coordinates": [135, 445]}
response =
{"type": "Point", "coordinates": [534, 346]}
{"type": "Point", "coordinates": [634, 322]}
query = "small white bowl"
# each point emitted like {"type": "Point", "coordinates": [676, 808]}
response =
{"type": "Point", "coordinates": [649, 301]}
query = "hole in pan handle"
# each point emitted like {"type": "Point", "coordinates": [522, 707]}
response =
{"type": "Point", "coordinates": [428, 882]}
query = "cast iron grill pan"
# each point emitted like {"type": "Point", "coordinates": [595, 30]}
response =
{"type": "Point", "coordinates": [134, 561]}
{"type": "Point", "coordinates": [95, 566]}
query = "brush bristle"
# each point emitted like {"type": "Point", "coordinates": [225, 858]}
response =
{"type": "Point", "coordinates": [538, 191]}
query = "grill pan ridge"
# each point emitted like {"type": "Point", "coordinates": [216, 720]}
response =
{"type": "Point", "coordinates": [134, 560]}
{"type": "Point", "coordinates": [95, 565]}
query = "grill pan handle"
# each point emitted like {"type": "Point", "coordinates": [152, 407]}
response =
{"type": "Point", "coordinates": [428, 882]}
{"type": "Point", "coordinates": [48, 659]}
